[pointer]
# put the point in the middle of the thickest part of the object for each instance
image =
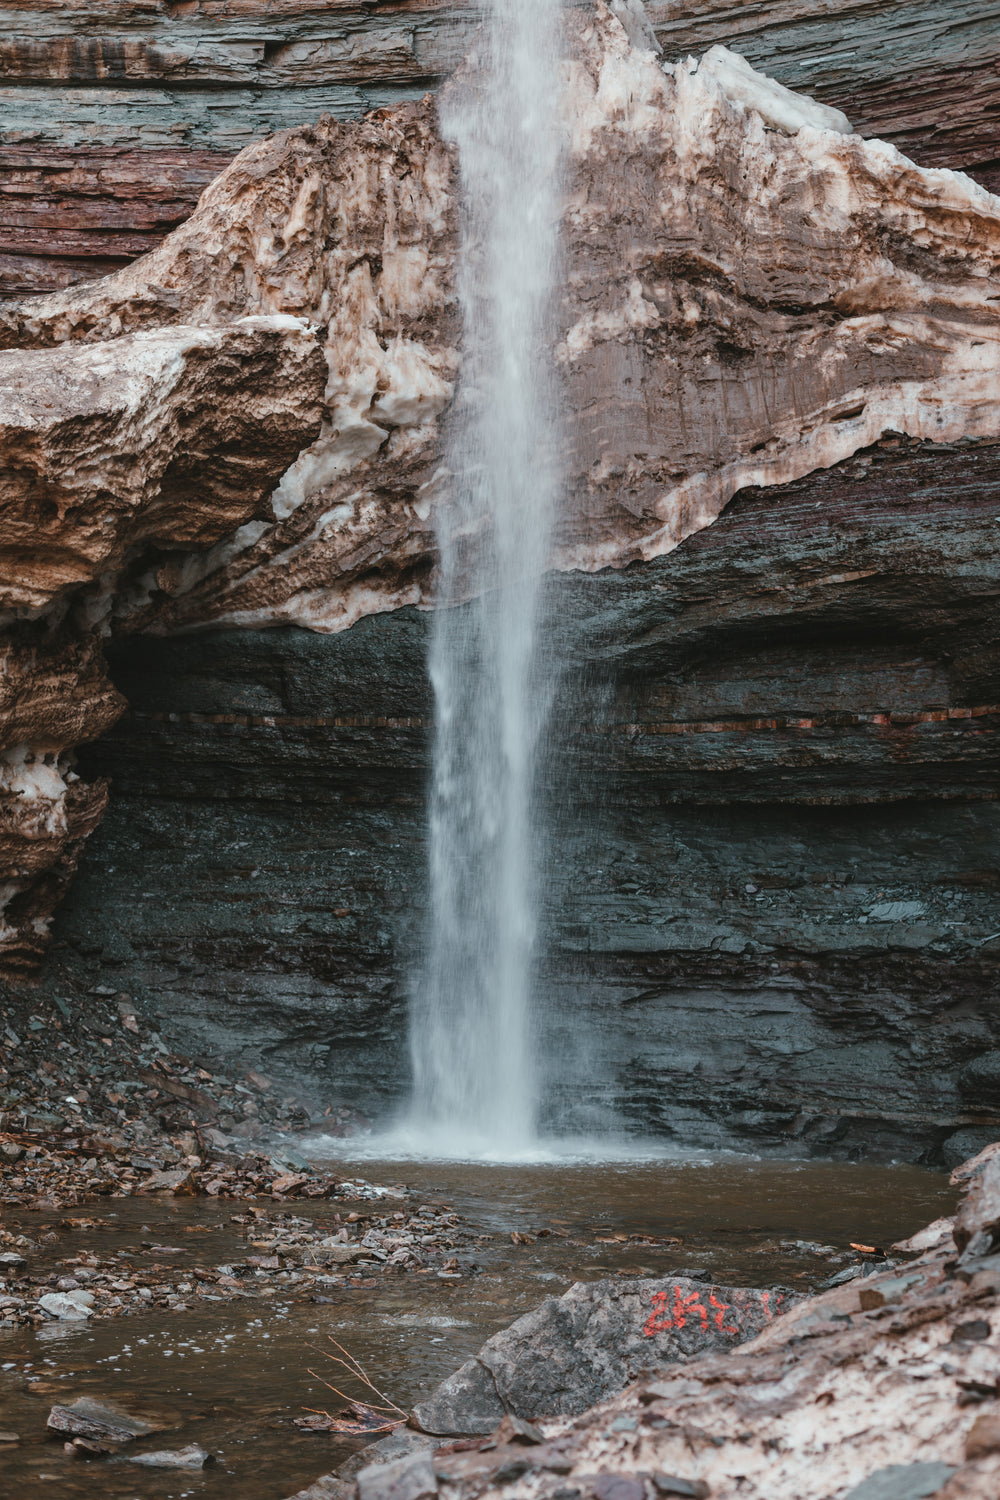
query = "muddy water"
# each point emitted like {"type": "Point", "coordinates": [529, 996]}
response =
{"type": "Point", "coordinates": [233, 1376]}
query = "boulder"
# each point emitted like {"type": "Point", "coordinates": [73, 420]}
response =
{"type": "Point", "coordinates": [578, 1349]}
{"type": "Point", "coordinates": [100, 1421]}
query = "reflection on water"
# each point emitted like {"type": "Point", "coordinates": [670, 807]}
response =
{"type": "Point", "coordinates": [233, 1376]}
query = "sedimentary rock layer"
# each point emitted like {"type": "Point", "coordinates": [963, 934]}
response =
{"type": "Point", "coordinates": [156, 84]}
{"type": "Point", "coordinates": [751, 293]}
{"type": "Point", "coordinates": [804, 960]}
{"type": "Point", "coordinates": [173, 436]}
{"type": "Point", "coordinates": [152, 437]}
{"type": "Point", "coordinates": [68, 214]}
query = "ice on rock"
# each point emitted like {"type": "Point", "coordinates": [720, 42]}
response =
{"type": "Point", "coordinates": [777, 106]}
{"type": "Point", "coordinates": [632, 15]}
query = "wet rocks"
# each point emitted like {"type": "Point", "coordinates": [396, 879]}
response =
{"type": "Point", "coordinates": [68, 1307]}
{"type": "Point", "coordinates": [138, 1118]}
{"type": "Point", "coordinates": [100, 1421]}
{"type": "Point", "coordinates": [588, 1344]}
{"type": "Point", "coordinates": [191, 1457]}
{"type": "Point", "coordinates": [862, 1397]}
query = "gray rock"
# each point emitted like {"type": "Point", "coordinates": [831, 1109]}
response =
{"type": "Point", "coordinates": [100, 1420]}
{"type": "Point", "coordinates": [326, 1487]}
{"type": "Point", "coordinates": [340, 1485]}
{"type": "Point", "coordinates": [191, 1457]}
{"type": "Point", "coordinates": [40, 1120]}
{"type": "Point", "coordinates": [979, 1080]}
{"type": "Point", "coordinates": [965, 1144]}
{"type": "Point", "coordinates": [68, 1307]}
{"type": "Point", "coordinates": [11, 1261]}
{"type": "Point", "coordinates": [587, 1345]}
{"type": "Point", "coordinates": [408, 1478]}
{"type": "Point", "coordinates": [289, 1161]}
{"type": "Point", "coordinates": [402, 1443]}
{"type": "Point", "coordinates": [903, 1482]}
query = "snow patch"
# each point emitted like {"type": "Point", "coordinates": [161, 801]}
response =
{"type": "Point", "coordinates": [777, 106]}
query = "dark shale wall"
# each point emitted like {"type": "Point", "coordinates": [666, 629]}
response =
{"type": "Point", "coordinates": [773, 903]}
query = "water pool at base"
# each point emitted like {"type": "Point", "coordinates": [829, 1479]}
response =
{"type": "Point", "coordinates": [233, 1376]}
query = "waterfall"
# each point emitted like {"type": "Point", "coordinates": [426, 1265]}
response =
{"type": "Point", "coordinates": [476, 1079]}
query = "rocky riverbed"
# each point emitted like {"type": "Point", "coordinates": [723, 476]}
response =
{"type": "Point", "coordinates": [211, 1318]}
{"type": "Point", "coordinates": [97, 1109]}
{"type": "Point", "coordinates": [883, 1388]}
{"type": "Point", "coordinates": [180, 1249]}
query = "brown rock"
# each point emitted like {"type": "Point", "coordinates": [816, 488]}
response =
{"type": "Point", "coordinates": [984, 1436]}
{"type": "Point", "coordinates": [289, 1181]}
{"type": "Point", "coordinates": [180, 431]}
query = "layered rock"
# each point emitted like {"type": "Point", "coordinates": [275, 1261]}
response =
{"type": "Point", "coordinates": [772, 906]}
{"type": "Point", "coordinates": [162, 437]}
{"type": "Point", "coordinates": [751, 293]}
{"type": "Point", "coordinates": [113, 117]}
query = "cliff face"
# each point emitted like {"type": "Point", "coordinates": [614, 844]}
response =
{"type": "Point", "coordinates": [791, 881]}
{"type": "Point", "coordinates": [115, 116]}
{"type": "Point", "coordinates": [772, 908]}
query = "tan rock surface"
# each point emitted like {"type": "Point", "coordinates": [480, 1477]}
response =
{"type": "Point", "coordinates": [750, 294]}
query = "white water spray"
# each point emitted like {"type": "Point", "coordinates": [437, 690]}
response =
{"type": "Point", "coordinates": [475, 1081]}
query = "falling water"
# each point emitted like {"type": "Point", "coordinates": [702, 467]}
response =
{"type": "Point", "coordinates": [475, 1079]}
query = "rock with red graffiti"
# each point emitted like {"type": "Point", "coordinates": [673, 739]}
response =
{"type": "Point", "coordinates": [581, 1348]}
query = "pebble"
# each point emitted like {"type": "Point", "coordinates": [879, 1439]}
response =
{"type": "Point", "coordinates": [191, 1457]}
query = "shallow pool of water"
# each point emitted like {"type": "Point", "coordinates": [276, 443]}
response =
{"type": "Point", "coordinates": [233, 1376]}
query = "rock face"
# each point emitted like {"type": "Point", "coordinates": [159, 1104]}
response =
{"type": "Point", "coordinates": [777, 927]}
{"type": "Point", "coordinates": [171, 437]}
{"type": "Point", "coordinates": [722, 237]}
{"type": "Point", "coordinates": [149, 438]}
{"type": "Point", "coordinates": [755, 301]}
{"type": "Point", "coordinates": [589, 1344]}
{"type": "Point", "coordinates": [114, 117]}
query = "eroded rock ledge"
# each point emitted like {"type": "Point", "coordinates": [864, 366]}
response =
{"type": "Point", "coordinates": [751, 293]}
